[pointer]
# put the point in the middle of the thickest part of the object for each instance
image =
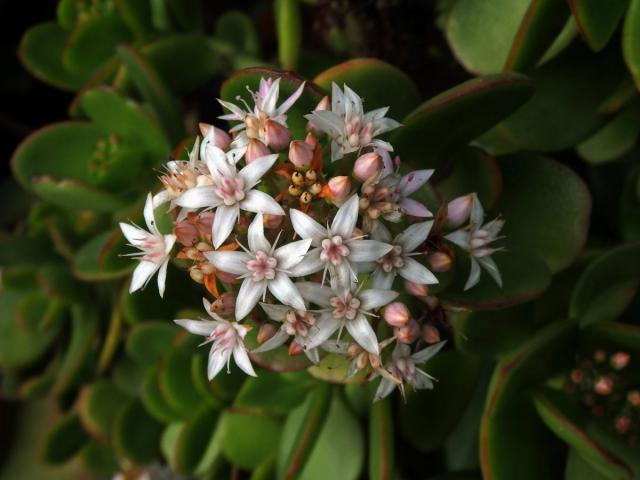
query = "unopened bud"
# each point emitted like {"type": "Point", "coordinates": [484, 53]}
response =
{"type": "Point", "coordinates": [339, 188]}
{"type": "Point", "coordinates": [196, 275]}
{"type": "Point", "coordinates": [633, 397]}
{"type": "Point", "coordinates": [306, 198]}
{"type": "Point", "coordinates": [204, 223]}
{"type": "Point", "coordinates": [277, 136]}
{"type": "Point", "coordinates": [314, 189]}
{"type": "Point", "coordinates": [604, 386]}
{"type": "Point", "coordinates": [311, 140]}
{"type": "Point", "coordinates": [265, 332]}
{"type": "Point", "coordinates": [408, 333]}
{"type": "Point", "coordinates": [219, 137]}
{"type": "Point", "coordinates": [295, 348]}
{"type": "Point", "coordinates": [294, 191]}
{"type": "Point", "coordinates": [619, 360]}
{"type": "Point", "coordinates": [227, 277]}
{"type": "Point", "coordinates": [599, 355]}
{"type": "Point", "coordinates": [576, 375]}
{"type": "Point", "coordinates": [367, 166]}
{"type": "Point", "coordinates": [416, 289]}
{"type": "Point", "coordinates": [272, 221]}
{"type": "Point", "coordinates": [623, 424]}
{"type": "Point", "coordinates": [311, 175]}
{"type": "Point", "coordinates": [186, 232]}
{"type": "Point", "coordinates": [323, 104]}
{"type": "Point", "coordinates": [430, 334]}
{"type": "Point", "coordinates": [256, 149]}
{"type": "Point", "coordinates": [439, 262]}
{"type": "Point", "coordinates": [396, 314]}
{"type": "Point", "coordinates": [458, 210]}
{"type": "Point", "coordinates": [225, 305]}
{"type": "Point", "coordinates": [300, 154]}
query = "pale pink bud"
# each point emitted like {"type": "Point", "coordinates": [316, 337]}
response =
{"type": "Point", "coordinates": [256, 149]}
{"type": "Point", "coordinates": [604, 386]}
{"type": "Point", "coordinates": [311, 140]}
{"type": "Point", "coordinates": [186, 232]}
{"type": "Point", "coordinates": [277, 136]}
{"type": "Point", "coordinates": [221, 138]}
{"type": "Point", "coordinates": [204, 222]}
{"type": "Point", "coordinates": [357, 233]}
{"type": "Point", "coordinates": [416, 289]}
{"type": "Point", "coordinates": [396, 314]}
{"type": "Point", "coordinates": [439, 262]}
{"type": "Point", "coordinates": [295, 348]}
{"type": "Point", "coordinates": [458, 210]}
{"type": "Point", "coordinates": [225, 305]}
{"type": "Point", "coordinates": [300, 154]}
{"type": "Point", "coordinates": [324, 104]}
{"type": "Point", "coordinates": [339, 189]}
{"type": "Point", "coordinates": [623, 424]}
{"type": "Point", "coordinates": [367, 166]}
{"type": "Point", "coordinates": [272, 221]}
{"type": "Point", "coordinates": [265, 332]}
{"type": "Point", "coordinates": [620, 360]}
{"type": "Point", "coordinates": [430, 334]}
{"type": "Point", "coordinates": [227, 277]}
{"type": "Point", "coordinates": [408, 333]}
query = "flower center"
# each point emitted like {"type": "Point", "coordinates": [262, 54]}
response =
{"type": "Point", "coordinates": [263, 266]}
{"type": "Point", "coordinates": [257, 126]}
{"type": "Point", "coordinates": [153, 247]}
{"type": "Point", "coordinates": [392, 260]}
{"type": "Point", "coordinates": [231, 190]}
{"type": "Point", "coordinates": [297, 322]}
{"type": "Point", "coordinates": [345, 307]}
{"type": "Point", "coordinates": [224, 336]}
{"type": "Point", "coordinates": [406, 368]}
{"type": "Point", "coordinates": [333, 249]}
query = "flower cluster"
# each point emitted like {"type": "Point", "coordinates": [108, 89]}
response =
{"type": "Point", "coordinates": [319, 263]}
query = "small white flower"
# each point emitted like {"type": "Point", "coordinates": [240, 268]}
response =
{"type": "Point", "coordinates": [255, 121]}
{"type": "Point", "coordinates": [230, 191]}
{"type": "Point", "coordinates": [344, 307]}
{"type": "Point", "coordinates": [476, 238]}
{"type": "Point", "coordinates": [295, 323]}
{"type": "Point", "coordinates": [180, 176]}
{"type": "Point", "coordinates": [154, 250]}
{"type": "Point", "coordinates": [398, 261]}
{"type": "Point", "coordinates": [348, 126]}
{"type": "Point", "coordinates": [226, 338]}
{"type": "Point", "coordinates": [263, 267]}
{"type": "Point", "coordinates": [335, 247]}
{"type": "Point", "coordinates": [403, 366]}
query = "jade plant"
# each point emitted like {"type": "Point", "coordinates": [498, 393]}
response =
{"type": "Point", "coordinates": [342, 275]}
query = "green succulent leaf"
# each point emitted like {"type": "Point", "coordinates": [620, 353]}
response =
{"type": "Point", "coordinates": [630, 37]}
{"type": "Point", "coordinates": [238, 29]}
{"type": "Point", "coordinates": [195, 440]}
{"type": "Point", "coordinates": [272, 393]}
{"type": "Point", "coordinates": [65, 440]}
{"type": "Point", "coordinates": [371, 78]}
{"type": "Point", "coordinates": [67, 14]}
{"type": "Point", "coordinates": [148, 341]}
{"type": "Point", "coordinates": [136, 16]}
{"type": "Point", "coordinates": [289, 30]}
{"type": "Point", "coordinates": [41, 53]}
{"type": "Point", "coordinates": [136, 434]}
{"type": "Point", "coordinates": [174, 374]}
{"type": "Point", "coordinates": [99, 459]}
{"type": "Point", "coordinates": [156, 403]}
{"type": "Point", "coordinates": [577, 468]}
{"type": "Point", "coordinates": [433, 130]}
{"type": "Point", "coordinates": [100, 259]}
{"type": "Point", "coordinates": [547, 208]}
{"type": "Point", "coordinates": [630, 206]}
{"type": "Point", "coordinates": [98, 405]}
{"type": "Point", "coordinates": [187, 14]}
{"type": "Point", "coordinates": [381, 445]}
{"type": "Point", "coordinates": [597, 22]}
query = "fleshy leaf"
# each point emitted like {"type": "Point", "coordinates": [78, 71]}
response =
{"type": "Point", "coordinates": [65, 440]}
{"type": "Point", "coordinates": [100, 258]}
{"type": "Point", "coordinates": [136, 433]}
{"type": "Point", "coordinates": [194, 440]}
{"type": "Point", "coordinates": [597, 21]}
{"type": "Point", "coordinates": [98, 405]}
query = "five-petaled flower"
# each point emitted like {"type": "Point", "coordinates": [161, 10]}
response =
{"type": "Point", "coordinates": [226, 339]}
{"type": "Point", "coordinates": [262, 267]}
{"type": "Point", "coordinates": [154, 250]}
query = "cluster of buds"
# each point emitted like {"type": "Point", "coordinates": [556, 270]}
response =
{"type": "Point", "coordinates": [601, 386]}
{"type": "Point", "coordinates": [323, 264]}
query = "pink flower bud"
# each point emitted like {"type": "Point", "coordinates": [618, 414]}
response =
{"type": "Point", "coordinates": [430, 334]}
{"type": "Point", "coordinates": [256, 149]}
{"type": "Point", "coordinates": [225, 305]}
{"type": "Point", "coordinates": [439, 262]}
{"type": "Point", "coordinates": [408, 333]}
{"type": "Point", "coordinates": [396, 314]}
{"type": "Point", "coordinates": [204, 222]}
{"type": "Point", "coordinates": [300, 154]}
{"type": "Point", "coordinates": [186, 232]}
{"type": "Point", "coordinates": [339, 189]}
{"type": "Point", "coordinates": [416, 289]}
{"type": "Point", "coordinates": [311, 140]}
{"type": "Point", "coordinates": [633, 397]}
{"type": "Point", "coordinates": [367, 166]}
{"type": "Point", "coordinates": [221, 138]}
{"type": "Point", "coordinates": [458, 210]}
{"type": "Point", "coordinates": [277, 136]}
{"type": "Point", "coordinates": [295, 348]}
{"type": "Point", "coordinates": [323, 104]}
{"type": "Point", "coordinates": [604, 386]}
{"type": "Point", "coordinates": [266, 331]}
{"type": "Point", "coordinates": [619, 360]}
{"type": "Point", "coordinates": [272, 221]}
{"type": "Point", "coordinates": [623, 424]}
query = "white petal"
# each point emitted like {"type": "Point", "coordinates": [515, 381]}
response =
{"type": "Point", "coordinates": [285, 290]}
{"type": "Point", "coordinates": [461, 238]}
{"type": "Point", "coordinates": [288, 103]}
{"type": "Point", "coordinates": [426, 353]}
{"type": "Point", "coordinates": [422, 380]}
{"type": "Point", "coordinates": [416, 272]}
{"type": "Point", "coordinates": [474, 274]}
{"type": "Point", "coordinates": [223, 222]}
{"type": "Point", "coordinates": [199, 197]}
{"type": "Point", "coordinates": [367, 250]}
{"type": "Point", "coordinates": [362, 332]}
{"type": "Point", "coordinates": [257, 201]}
{"type": "Point", "coordinates": [218, 164]}
{"type": "Point", "coordinates": [162, 277]}
{"type": "Point", "coordinates": [341, 276]}
{"type": "Point", "coordinates": [142, 274]}
{"type": "Point", "coordinates": [230, 262]}
{"type": "Point", "coordinates": [149, 217]}
{"type": "Point", "coordinates": [381, 233]}
{"type": "Point", "coordinates": [313, 354]}
{"type": "Point", "coordinates": [275, 312]}
{"type": "Point", "coordinates": [242, 359]}
{"type": "Point", "coordinates": [292, 253]}
{"type": "Point", "coordinates": [217, 360]}
{"type": "Point", "coordinates": [490, 266]}
{"type": "Point", "coordinates": [315, 293]}
{"type": "Point", "coordinates": [382, 279]}
{"type": "Point", "coordinates": [268, 101]}
{"type": "Point", "coordinates": [477, 212]}
{"type": "Point", "coordinates": [414, 208]}
{"type": "Point", "coordinates": [412, 181]}
{"type": "Point", "coordinates": [254, 171]}
{"type": "Point", "coordinates": [134, 235]}
{"type": "Point", "coordinates": [307, 227]}
{"type": "Point", "coordinates": [333, 346]}
{"type": "Point", "coordinates": [384, 389]}
{"type": "Point", "coordinates": [197, 327]}
{"type": "Point", "coordinates": [274, 342]}
{"type": "Point", "coordinates": [321, 331]}
{"type": "Point", "coordinates": [413, 236]}
{"type": "Point", "coordinates": [162, 197]}
{"type": "Point", "coordinates": [248, 296]}
{"type": "Point", "coordinates": [375, 298]}
{"type": "Point", "coordinates": [311, 263]}
{"type": "Point", "coordinates": [233, 108]}
{"type": "Point", "coordinates": [255, 235]}
{"type": "Point", "coordinates": [345, 220]}
{"type": "Point", "coordinates": [327, 121]}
